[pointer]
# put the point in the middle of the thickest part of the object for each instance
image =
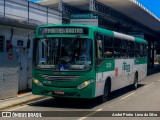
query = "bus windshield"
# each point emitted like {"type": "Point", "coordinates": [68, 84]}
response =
{"type": "Point", "coordinates": [63, 54]}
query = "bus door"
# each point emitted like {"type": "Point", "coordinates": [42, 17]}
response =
{"type": "Point", "coordinates": [119, 60]}
{"type": "Point", "coordinates": [98, 64]}
{"type": "Point", "coordinates": [129, 64]}
{"type": "Point", "coordinates": [119, 74]}
{"type": "Point", "coordinates": [127, 68]}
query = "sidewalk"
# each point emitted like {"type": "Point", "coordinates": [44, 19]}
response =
{"type": "Point", "coordinates": [20, 99]}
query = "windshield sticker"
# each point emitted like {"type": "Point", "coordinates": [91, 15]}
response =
{"type": "Point", "coordinates": [62, 67]}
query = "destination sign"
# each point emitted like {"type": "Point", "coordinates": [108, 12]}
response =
{"type": "Point", "coordinates": [66, 30]}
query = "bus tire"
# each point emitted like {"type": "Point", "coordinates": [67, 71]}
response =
{"type": "Point", "coordinates": [106, 91]}
{"type": "Point", "coordinates": [135, 84]}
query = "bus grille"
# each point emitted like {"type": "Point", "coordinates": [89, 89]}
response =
{"type": "Point", "coordinates": [60, 78]}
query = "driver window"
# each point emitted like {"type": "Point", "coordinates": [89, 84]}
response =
{"type": "Point", "coordinates": [99, 49]}
{"type": "Point", "coordinates": [99, 46]}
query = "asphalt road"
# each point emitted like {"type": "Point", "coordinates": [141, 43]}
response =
{"type": "Point", "coordinates": [145, 98]}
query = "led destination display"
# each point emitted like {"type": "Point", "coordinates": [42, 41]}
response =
{"type": "Point", "coordinates": [65, 30]}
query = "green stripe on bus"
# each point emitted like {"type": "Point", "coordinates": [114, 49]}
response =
{"type": "Point", "coordinates": [139, 40]}
{"type": "Point", "coordinates": [105, 32]}
{"type": "Point", "coordinates": [140, 61]}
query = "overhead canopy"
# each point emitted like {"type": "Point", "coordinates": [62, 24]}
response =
{"type": "Point", "coordinates": [131, 8]}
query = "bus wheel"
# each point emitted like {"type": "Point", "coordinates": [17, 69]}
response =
{"type": "Point", "coordinates": [105, 95]}
{"type": "Point", "coordinates": [135, 84]}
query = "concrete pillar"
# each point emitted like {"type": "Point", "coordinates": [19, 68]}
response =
{"type": "Point", "coordinates": [149, 53]}
{"type": "Point", "coordinates": [152, 58]}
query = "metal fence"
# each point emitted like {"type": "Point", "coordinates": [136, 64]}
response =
{"type": "Point", "coordinates": [8, 76]}
{"type": "Point", "coordinates": [25, 10]}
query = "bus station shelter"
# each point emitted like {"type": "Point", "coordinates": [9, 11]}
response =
{"type": "Point", "coordinates": [125, 16]}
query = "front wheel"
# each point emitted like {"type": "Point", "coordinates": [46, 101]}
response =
{"type": "Point", "coordinates": [105, 95]}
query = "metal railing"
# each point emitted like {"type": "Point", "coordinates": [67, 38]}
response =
{"type": "Point", "coordinates": [24, 10]}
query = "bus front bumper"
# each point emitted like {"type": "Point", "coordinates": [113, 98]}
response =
{"type": "Point", "coordinates": [87, 92]}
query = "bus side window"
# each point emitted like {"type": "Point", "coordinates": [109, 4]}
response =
{"type": "Point", "coordinates": [117, 48]}
{"type": "Point", "coordinates": [141, 49]}
{"type": "Point", "coordinates": [131, 47]}
{"type": "Point", "coordinates": [124, 48]}
{"type": "Point", "coordinates": [145, 50]}
{"type": "Point", "coordinates": [108, 47]}
{"type": "Point", "coordinates": [137, 49]}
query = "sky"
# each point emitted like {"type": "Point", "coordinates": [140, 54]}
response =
{"type": "Point", "coordinates": [151, 5]}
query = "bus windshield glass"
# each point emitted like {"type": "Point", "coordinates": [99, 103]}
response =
{"type": "Point", "coordinates": [63, 54]}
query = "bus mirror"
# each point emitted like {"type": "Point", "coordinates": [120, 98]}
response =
{"type": "Point", "coordinates": [96, 67]}
{"type": "Point", "coordinates": [44, 41]}
{"type": "Point", "coordinates": [98, 63]}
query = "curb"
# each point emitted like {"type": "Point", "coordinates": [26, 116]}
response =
{"type": "Point", "coordinates": [19, 101]}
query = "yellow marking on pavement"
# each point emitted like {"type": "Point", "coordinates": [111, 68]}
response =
{"type": "Point", "coordinates": [41, 100]}
{"type": "Point", "coordinates": [20, 95]}
{"type": "Point", "coordinates": [144, 91]}
{"type": "Point", "coordinates": [114, 103]}
{"type": "Point", "coordinates": [28, 103]}
{"type": "Point", "coordinates": [149, 85]}
{"type": "Point", "coordinates": [18, 108]}
{"type": "Point", "coordinates": [117, 102]}
{"type": "Point", "coordinates": [90, 114]}
{"type": "Point", "coordinates": [128, 96]}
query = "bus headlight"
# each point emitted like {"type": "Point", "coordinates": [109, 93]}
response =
{"type": "Point", "coordinates": [85, 84]}
{"type": "Point", "coordinates": [37, 82]}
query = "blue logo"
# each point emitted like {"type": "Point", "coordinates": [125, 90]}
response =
{"type": "Point", "coordinates": [62, 67]}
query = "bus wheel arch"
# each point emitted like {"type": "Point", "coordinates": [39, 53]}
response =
{"type": "Point", "coordinates": [107, 88]}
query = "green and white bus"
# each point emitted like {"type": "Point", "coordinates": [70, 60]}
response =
{"type": "Point", "coordinates": [80, 61]}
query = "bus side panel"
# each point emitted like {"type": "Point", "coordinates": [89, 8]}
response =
{"type": "Point", "coordinates": [122, 74]}
{"type": "Point", "coordinates": [144, 69]}
{"type": "Point", "coordinates": [129, 71]}
{"type": "Point", "coordinates": [140, 71]}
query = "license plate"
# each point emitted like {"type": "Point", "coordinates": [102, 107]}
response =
{"type": "Point", "coordinates": [59, 92]}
